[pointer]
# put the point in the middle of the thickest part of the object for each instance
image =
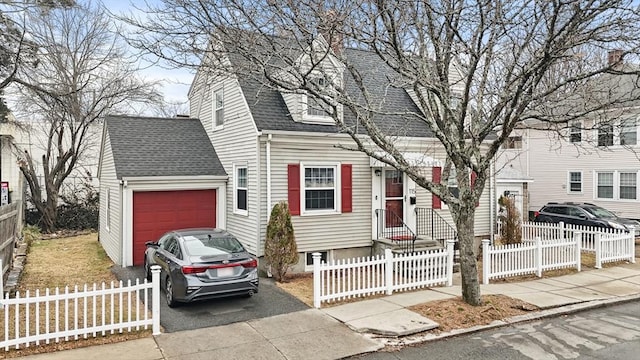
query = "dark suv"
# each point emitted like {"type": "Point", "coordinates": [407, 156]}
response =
{"type": "Point", "coordinates": [583, 214]}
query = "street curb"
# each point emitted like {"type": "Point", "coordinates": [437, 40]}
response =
{"type": "Point", "coordinates": [538, 315]}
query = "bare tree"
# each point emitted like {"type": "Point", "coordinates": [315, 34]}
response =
{"type": "Point", "coordinates": [477, 70]}
{"type": "Point", "coordinates": [82, 59]}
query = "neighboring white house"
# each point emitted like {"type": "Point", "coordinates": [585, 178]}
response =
{"type": "Point", "coordinates": [17, 137]}
{"type": "Point", "coordinates": [10, 175]}
{"type": "Point", "coordinates": [596, 159]}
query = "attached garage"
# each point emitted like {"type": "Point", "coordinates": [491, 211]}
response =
{"type": "Point", "coordinates": [156, 212]}
{"type": "Point", "coordinates": [170, 178]}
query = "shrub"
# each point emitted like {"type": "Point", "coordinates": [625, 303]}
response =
{"type": "Point", "coordinates": [280, 250]}
{"type": "Point", "coordinates": [509, 216]}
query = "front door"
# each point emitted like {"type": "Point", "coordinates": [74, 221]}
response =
{"type": "Point", "coordinates": [393, 198]}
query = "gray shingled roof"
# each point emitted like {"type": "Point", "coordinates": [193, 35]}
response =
{"type": "Point", "coordinates": [270, 111]}
{"type": "Point", "coordinates": [146, 146]}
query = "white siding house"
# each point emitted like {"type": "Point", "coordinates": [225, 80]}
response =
{"type": "Point", "coordinates": [276, 147]}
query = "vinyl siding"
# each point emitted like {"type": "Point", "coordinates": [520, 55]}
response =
{"type": "Point", "coordinates": [320, 232]}
{"type": "Point", "coordinates": [551, 160]}
{"type": "Point", "coordinates": [235, 143]}
{"type": "Point", "coordinates": [111, 239]}
{"type": "Point", "coordinates": [483, 211]}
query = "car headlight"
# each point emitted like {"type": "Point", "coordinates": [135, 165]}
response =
{"type": "Point", "coordinates": [616, 225]}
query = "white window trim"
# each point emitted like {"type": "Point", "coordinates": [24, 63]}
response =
{"type": "Point", "coordinates": [580, 124]}
{"type": "Point", "coordinates": [108, 211]}
{"type": "Point", "coordinates": [214, 108]}
{"type": "Point", "coordinates": [618, 136]}
{"type": "Point", "coordinates": [581, 183]}
{"type": "Point", "coordinates": [309, 267]}
{"type": "Point", "coordinates": [320, 119]}
{"type": "Point", "coordinates": [235, 190]}
{"type": "Point", "coordinates": [315, 119]}
{"type": "Point", "coordinates": [616, 185]}
{"type": "Point", "coordinates": [337, 200]}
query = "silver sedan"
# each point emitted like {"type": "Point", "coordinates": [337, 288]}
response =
{"type": "Point", "coordinates": [201, 264]}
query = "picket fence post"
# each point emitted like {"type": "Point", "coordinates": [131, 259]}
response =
{"type": "Point", "coordinates": [450, 262]}
{"type": "Point", "coordinates": [561, 230]}
{"type": "Point", "coordinates": [577, 237]}
{"type": "Point", "coordinates": [486, 258]}
{"type": "Point", "coordinates": [155, 299]}
{"type": "Point", "coordinates": [388, 270]}
{"type": "Point", "coordinates": [316, 279]}
{"type": "Point", "coordinates": [632, 244]}
{"type": "Point", "coordinates": [598, 246]}
{"type": "Point", "coordinates": [539, 255]}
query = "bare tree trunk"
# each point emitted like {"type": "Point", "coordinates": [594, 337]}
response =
{"type": "Point", "coordinates": [468, 264]}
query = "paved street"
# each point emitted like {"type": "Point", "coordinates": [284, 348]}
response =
{"type": "Point", "coordinates": [604, 333]}
{"type": "Point", "coordinates": [269, 301]}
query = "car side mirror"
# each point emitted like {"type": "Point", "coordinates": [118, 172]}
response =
{"type": "Point", "coordinates": [151, 244]}
{"type": "Point", "coordinates": [582, 216]}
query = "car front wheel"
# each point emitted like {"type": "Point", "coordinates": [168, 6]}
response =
{"type": "Point", "coordinates": [169, 293]}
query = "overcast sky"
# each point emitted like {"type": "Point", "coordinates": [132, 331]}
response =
{"type": "Point", "coordinates": [175, 82]}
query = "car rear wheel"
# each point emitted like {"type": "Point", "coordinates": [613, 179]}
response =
{"type": "Point", "coordinates": [169, 293]}
{"type": "Point", "coordinates": [147, 269]}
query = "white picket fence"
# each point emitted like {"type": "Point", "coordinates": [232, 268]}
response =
{"type": "Point", "coordinates": [590, 236]}
{"type": "Point", "coordinates": [529, 257]}
{"type": "Point", "coordinates": [611, 247]}
{"type": "Point", "coordinates": [348, 278]}
{"type": "Point", "coordinates": [66, 315]}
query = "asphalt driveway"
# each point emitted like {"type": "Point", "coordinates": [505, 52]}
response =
{"type": "Point", "coordinates": [269, 301]}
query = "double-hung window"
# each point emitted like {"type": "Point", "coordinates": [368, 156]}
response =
{"type": "Point", "coordinates": [604, 185]}
{"type": "Point", "coordinates": [605, 135]}
{"type": "Point", "coordinates": [108, 210]}
{"type": "Point", "coordinates": [240, 191]}
{"type": "Point", "coordinates": [575, 182]}
{"type": "Point", "coordinates": [320, 189]}
{"type": "Point", "coordinates": [628, 185]}
{"type": "Point", "coordinates": [218, 108]}
{"type": "Point", "coordinates": [628, 133]}
{"type": "Point", "coordinates": [452, 183]}
{"type": "Point", "coordinates": [575, 132]}
{"type": "Point", "coordinates": [315, 106]}
{"type": "Point", "coordinates": [513, 142]}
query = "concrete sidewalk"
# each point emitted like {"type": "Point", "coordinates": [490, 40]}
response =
{"type": "Point", "coordinates": [322, 334]}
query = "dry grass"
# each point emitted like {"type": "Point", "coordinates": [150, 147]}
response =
{"type": "Point", "coordinates": [60, 262]}
{"type": "Point", "coordinates": [454, 313]}
{"type": "Point", "coordinates": [76, 260]}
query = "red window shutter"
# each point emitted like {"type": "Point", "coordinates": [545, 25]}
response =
{"type": "Point", "coordinates": [474, 175]}
{"type": "Point", "coordinates": [293, 178]}
{"type": "Point", "coordinates": [436, 173]}
{"type": "Point", "coordinates": [347, 190]}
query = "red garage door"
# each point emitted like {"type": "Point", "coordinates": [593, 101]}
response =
{"type": "Point", "coordinates": [156, 212]}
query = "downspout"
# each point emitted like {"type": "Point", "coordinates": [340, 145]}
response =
{"type": "Point", "coordinates": [492, 199]}
{"type": "Point", "coordinates": [268, 155]}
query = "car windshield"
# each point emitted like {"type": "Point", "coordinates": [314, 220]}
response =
{"type": "Point", "coordinates": [600, 212]}
{"type": "Point", "coordinates": [207, 245]}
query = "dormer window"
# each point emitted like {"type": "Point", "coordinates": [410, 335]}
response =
{"type": "Point", "coordinates": [315, 106]}
{"type": "Point", "coordinates": [218, 108]}
{"type": "Point", "coordinates": [315, 109]}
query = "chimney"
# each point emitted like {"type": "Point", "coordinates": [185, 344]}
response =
{"type": "Point", "coordinates": [330, 28]}
{"type": "Point", "coordinates": [615, 59]}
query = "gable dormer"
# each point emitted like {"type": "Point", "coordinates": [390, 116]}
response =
{"type": "Point", "coordinates": [318, 70]}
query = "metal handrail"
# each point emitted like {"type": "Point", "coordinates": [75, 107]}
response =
{"type": "Point", "coordinates": [431, 224]}
{"type": "Point", "coordinates": [399, 233]}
